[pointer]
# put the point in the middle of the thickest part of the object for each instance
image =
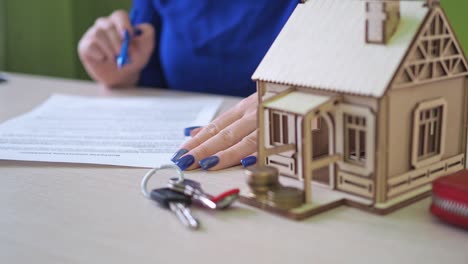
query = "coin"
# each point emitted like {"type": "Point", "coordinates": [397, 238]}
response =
{"type": "Point", "coordinates": [262, 175]}
{"type": "Point", "coordinates": [261, 180]}
{"type": "Point", "coordinates": [285, 197]}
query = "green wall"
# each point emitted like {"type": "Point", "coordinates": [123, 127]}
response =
{"type": "Point", "coordinates": [41, 36]}
{"type": "Point", "coordinates": [2, 34]}
{"type": "Point", "coordinates": [457, 11]}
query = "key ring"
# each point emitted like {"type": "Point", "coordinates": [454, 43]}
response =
{"type": "Point", "coordinates": [152, 172]}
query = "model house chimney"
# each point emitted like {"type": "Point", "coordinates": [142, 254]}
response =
{"type": "Point", "coordinates": [432, 3]}
{"type": "Point", "coordinates": [382, 18]}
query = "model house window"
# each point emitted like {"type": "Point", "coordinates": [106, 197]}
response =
{"type": "Point", "coordinates": [279, 128]}
{"type": "Point", "coordinates": [430, 124]}
{"type": "Point", "coordinates": [355, 139]}
{"type": "Point", "coordinates": [428, 132]}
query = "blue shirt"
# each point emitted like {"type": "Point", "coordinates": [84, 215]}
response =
{"type": "Point", "coordinates": [210, 46]}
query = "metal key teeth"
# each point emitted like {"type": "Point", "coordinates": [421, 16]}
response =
{"type": "Point", "coordinates": [184, 214]}
{"type": "Point", "coordinates": [205, 200]}
{"type": "Point", "coordinates": [178, 203]}
{"type": "Point", "coordinates": [192, 189]}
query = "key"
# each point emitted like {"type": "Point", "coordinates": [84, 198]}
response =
{"type": "Point", "coordinates": [178, 203]}
{"type": "Point", "coordinates": [192, 189]}
{"type": "Point", "coordinates": [226, 199]}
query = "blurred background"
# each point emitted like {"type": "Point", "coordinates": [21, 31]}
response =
{"type": "Point", "coordinates": [40, 37]}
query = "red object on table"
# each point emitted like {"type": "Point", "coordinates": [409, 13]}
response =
{"type": "Point", "coordinates": [450, 198]}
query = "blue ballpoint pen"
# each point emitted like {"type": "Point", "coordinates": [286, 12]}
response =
{"type": "Point", "coordinates": [123, 59]}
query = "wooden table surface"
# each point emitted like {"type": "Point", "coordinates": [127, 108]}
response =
{"type": "Point", "coordinates": [70, 213]}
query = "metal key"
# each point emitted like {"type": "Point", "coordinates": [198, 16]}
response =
{"type": "Point", "coordinates": [177, 203]}
{"type": "Point", "coordinates": [192, 189]}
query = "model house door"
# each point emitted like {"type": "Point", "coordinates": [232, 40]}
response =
{"type": "Point", "coordinates": [322, 136]}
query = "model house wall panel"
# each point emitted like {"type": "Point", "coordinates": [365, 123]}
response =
{"type": "Point", "coordinates": [402, 104]}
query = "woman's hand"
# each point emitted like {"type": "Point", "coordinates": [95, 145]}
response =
{"type": "Point", "coordinates": [101, 44]}
{"type": "Point", "coordinates": [224, 142]}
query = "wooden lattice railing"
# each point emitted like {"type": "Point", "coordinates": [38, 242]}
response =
{"type": "Point", "coordinates": [416, 178]}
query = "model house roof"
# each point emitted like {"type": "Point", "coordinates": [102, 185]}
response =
{"type": "Point", "coordinates": [323, 46]}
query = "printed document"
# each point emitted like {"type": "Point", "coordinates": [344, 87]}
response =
{"type": "Point", "coordinates": [139, 132]}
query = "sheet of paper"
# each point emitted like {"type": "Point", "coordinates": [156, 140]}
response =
{"type": "Point", "coordinates": [140, 132]}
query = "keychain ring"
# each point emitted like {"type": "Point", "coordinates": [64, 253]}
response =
{"type": "Point", "coordinates": [152, 172]}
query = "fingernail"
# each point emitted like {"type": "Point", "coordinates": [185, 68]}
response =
{"type": "Point", "coordinates": [248, 161]}
{"type": "Point", "coordinates": [208, 162]}
{"type": "Point", "coordinates": [178, 154]}
{"type": "Point", "coordinates": [187, 130]}
{"type": "Point", "coordinates": [185, 162]}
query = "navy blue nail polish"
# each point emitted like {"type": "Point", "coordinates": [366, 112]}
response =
{"type": "Point", "coordinates": [187, 130]}
{"type": "Point", "coordinates": [178, 154]}
{"type": "Point", "coordinates": [248, 161]}
{"type": "Point", "coordinates": [208, 162]}
{"type": "Point", "coordinates": [185, 162]}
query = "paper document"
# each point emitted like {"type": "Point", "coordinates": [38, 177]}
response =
{"type": "Point", "coordinates": [140, 132]}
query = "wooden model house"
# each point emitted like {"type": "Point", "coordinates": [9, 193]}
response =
{"type": "Point", "coordinates": [368, 98]}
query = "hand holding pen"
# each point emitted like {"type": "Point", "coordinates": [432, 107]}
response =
{"type": "Point", "coordinates": [113, 41]}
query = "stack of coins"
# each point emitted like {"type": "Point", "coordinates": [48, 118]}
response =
{"type": "Point", "coordinates": [266, 188]}
{"type": "Point", "coordinates": [285, 197]}
{"type": "Point", "coordinates": [261, 180]}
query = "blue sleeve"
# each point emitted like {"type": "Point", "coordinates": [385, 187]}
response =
{"type": "Point", "coordinates": [152, 74]}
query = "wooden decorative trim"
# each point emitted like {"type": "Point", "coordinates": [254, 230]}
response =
{"type": "Point", "coordinates": [307, 155]}
{"type": "Point", "coordinates": [309, 210]}
{"type": "Point", "coordinates": [415, 178]}
{"type": "Point", "coordinates": [307, 141]}
{"type": "Point", "coordinates": [300, 145]}
{"type": "Point", "coordinates": [420, 65]}
{"type": "Point", "coordinates": [279, 149]}
{"type": "Point", "coordinates": [465, 119]}
{"type": "Point", "coordinates": [356, 185]}
{"type": "Point", "coordinates": [319, 163]}
{"type": "Point", "coordinates": [331, 147]}
{"type": "Point", "coordinates": [261, 149]}
{"type": "Point", "coordinates": [286, 165]}
{"type": "Point", "coordinates": [260, 90]}
{"type": "Point", "coordinates": [381, 157]}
